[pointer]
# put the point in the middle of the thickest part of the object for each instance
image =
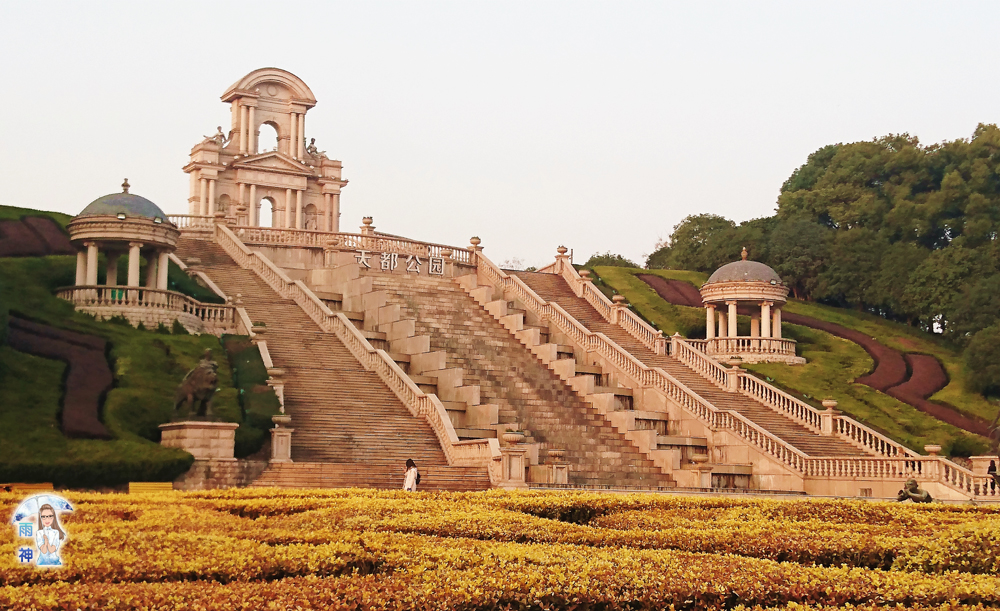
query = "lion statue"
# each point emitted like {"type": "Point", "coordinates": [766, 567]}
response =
{"type": "Point", "coordinates": [197, 389]}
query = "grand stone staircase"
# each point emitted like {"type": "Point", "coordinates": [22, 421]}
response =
{"type": "Point", "coordinates": [554, 288]}
{"type": "Point", "coordinates": [350, 429]}
{"type": "Point", "coordinates": [528, 394]}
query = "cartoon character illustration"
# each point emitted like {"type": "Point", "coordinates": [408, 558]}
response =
{"type": "Point", "coordinates": [37, 517]}
{"type": "Point", "coordinates": [48, 537]}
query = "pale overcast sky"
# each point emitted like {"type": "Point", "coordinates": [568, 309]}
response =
{"type": "Point", "coordinates": [598, 125]}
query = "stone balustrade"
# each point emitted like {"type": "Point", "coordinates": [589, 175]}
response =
{"type": "Point", "coordinates": [151, 307]}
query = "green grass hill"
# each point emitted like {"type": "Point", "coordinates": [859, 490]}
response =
{"type": "Point", "coordinates": [833, 363]}
{"type": "Point", "coordinates": [147, 365]}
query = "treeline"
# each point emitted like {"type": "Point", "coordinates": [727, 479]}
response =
{"type": "Point", "coordinates": [890, 226]}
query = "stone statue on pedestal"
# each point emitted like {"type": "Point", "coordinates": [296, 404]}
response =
{"type": "Point", "coordinates": [198, 387]}
{"type": "Point", "coordinates": [913, 492]}
{"type": "Point", "coordinates": [219, 137]}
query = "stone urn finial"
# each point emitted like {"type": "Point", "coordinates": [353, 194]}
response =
{"type": "Point", "coordinates": [562, 250]}
{"type": "Point", "coordinates": [932, 450]}
{"type": "Point", "coordinates": [513, 437]}
{"type": "Point", "coordinates": [585, 275]}
{"type": "Point", "coordinates": [125, 186]}
{"type": "Point", "coordinates": [618, 299]}
{"type": "Point", "coordinates": [475, 241]}
{"type": "Point", "coordinates": [743, 254]}
{"type": "Point", "coordinates": [830, 404]}
{"type": "Point", "coordinates": [446, 253]}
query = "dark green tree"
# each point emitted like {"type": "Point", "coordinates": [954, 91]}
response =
{"type": "Point", "coordinates": [609, 258]}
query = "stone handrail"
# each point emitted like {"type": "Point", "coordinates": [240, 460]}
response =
{"type": "Point", "coordinates": [925, 468]}
{"type": "Point", "coordinates": [192, 221]}
{"type": "Point", "coordinates": [470, 453]}
{"type": "Point", "coordinates": [244, 326]}
{"type": "Point", "coordinates": [97, 296]}
{"type": "Point", "coordinates": [694, 358]}
{"type": "Point", "coordinates": [749, 345]}
{"type": "Point", "coordinates": [349, 241]}
{"type": "Point", "coordinates": [657, 378]}
{"type": "Point", "coordinates": [615, 314]}
{"type": "Point", "coordinates": [846, 428]}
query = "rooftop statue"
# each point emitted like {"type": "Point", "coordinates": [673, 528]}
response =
{"type": "Point", "coordinates": [219, 138]}
{"type": "Point", "coordinates": [198, 387]}
{"type": "Point", "coordinates": [913, 492]}
{"type": "Point", "coordinates": [312, 150]}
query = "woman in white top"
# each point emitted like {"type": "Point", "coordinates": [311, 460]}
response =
{"type": "Point", "coordinates": [412, 476]}
{"type": "Point", "coordinates": [48, 537]}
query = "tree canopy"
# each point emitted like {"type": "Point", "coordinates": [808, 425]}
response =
{"type": "Point", "coordinates": [890, 226]}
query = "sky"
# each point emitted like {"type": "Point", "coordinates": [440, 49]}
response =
{"type": "Point", "coordinates": [595, 125]}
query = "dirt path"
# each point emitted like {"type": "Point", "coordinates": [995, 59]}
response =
{"type": "Point", "coordinates": [87, 380]}
{"type": "Point", "coordinates": [910, 378]}
{"type": "Point", "coordinates": [33, 236]}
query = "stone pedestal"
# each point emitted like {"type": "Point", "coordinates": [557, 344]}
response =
{"type": "Point", "coordinates": [204, 440]}
{"type": "Point", "coordinates": [281, 439]}
{"type": "Point", "coordinates": [980, 464]}
{"type": "Point", "coordinates": [514, 459]}
{"type": "Point", "coordinates": [828, 418]}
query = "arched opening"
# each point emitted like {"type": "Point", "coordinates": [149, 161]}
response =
{"type": "Point", "coordinates": [266, 213]}
{"type": "Point", "coordinates": [310, 218]}
{"type": "Point", "coordinates": [268, 138]}
{"type": "Point", "coordinates": [223, 204]}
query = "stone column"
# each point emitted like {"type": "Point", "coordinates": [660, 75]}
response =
{"type": "Point", "coordinates": [241, 197]}
{"type": "Point", "coordinates": [292, 149]}
{"type": "Point", "coordinates": [732, 318]}
{"type": "Point", "coordinates": [254, 217]}
{"type": "Point", "coordinates": [723, 324]}
{"type": "Point", "coordinates": [91, 263]}
{"type": "Point", "coordinates": [81, 268]}
{"type": "Point", "coordinates": [111, 271]}
{"type": "Point", "coordinates": [243, 130]}
{"type": "Point", "coordinates": [287, 220]}
{"type": "Point", "coordinates": [298, 209]}
{"type": "Point", "coordinates": [151, 270]}
{"type": "Point", "coordinates": [211, 197]}
{"type": "Point", "coordinates": [327, 213]}
{"type": "Point", "coordinates": [133, 263]}
{"type": "Point", "coordinates": [252, 133]}
{"type": "Point", "coordinates": [203, 202]}
{"type": "Point", "coordinates": [765, 319]}
{"type": "Point", "coordinates": [336, 212]}
{"type": "Point", "coordinates": [301, 141]}
{"type": "Point", "coordinates": [710, 322]}
{"type": "Point", "coordinates": [776, 324]}
{"type": "Point", "coordinates": [162, 266]}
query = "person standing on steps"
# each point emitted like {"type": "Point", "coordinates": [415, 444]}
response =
{"type": "Point", "coordinates": [992, 472]}
{"type": "Point", "coordinates": [412, 476]}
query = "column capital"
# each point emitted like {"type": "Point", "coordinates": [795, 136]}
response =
{"type": "Point", "coordinates": [89, 244]}
{"type": "Point", "coordinates": [710, 306]}
{"type": "Point", "coordinates": [135, 244]}
{"type": "Point", "coordinates": [732, 303]}
{"type": "Point", "coordinates": [769, 304]}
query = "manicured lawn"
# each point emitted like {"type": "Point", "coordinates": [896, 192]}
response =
{"type": "Point", "coordinates": [833, 363]}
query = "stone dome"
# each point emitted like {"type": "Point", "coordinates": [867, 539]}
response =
{"type": "Point", "coordinates": [133, 206]}
{"type": "Point", "coordinates": [745, 271]}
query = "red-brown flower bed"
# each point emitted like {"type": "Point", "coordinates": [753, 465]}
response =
{"type": "Point", "coordinates": [88, 379]}
{"type": "Point", "coordinates": [33, 237]}
{"type": "Point", "coordinates": [676, 292]}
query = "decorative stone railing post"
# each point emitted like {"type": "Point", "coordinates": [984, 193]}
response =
{"type": "Point", "coordinates": [581, 289]}
{"type": "Point", "coordinates": [449, 263]}
{"type": "Point", "coordinates": [330, 252]}
{"type": "Point", "coordinates": [733, 378]}
{"type": "Point", "coordinates": [828, 418]}
{"type": "Point", "coordinates": [281, 439]}
{"type": "Point", "coordinates": [276, 382]}
{"type": "Point", "coordinates": [560, 468]}
{"type": "Point", "coordinates": [514, 457]}
{"type": "Point", "coordinates": [618, 309]}
{"type": "Point", "coordinates": [704, 470]}
{"type": "Point", "coordinates": [562, 261]}
{"type": "Point", "coordinates": [675, 343]}
{"type": "Point", "coordinates": [366, 226]}
{"type": "Point", "coordinates": [475, 248]}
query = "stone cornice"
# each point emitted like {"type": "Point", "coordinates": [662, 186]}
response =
{"type": "Point", "coordinates": [111, 229]}
{"type": "Point", "coordinates": [720, 292]}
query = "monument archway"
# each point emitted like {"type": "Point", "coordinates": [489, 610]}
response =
{"type": "Point", "coordinates": [265, 153]}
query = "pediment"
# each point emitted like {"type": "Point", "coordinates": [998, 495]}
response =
{"type": "Point", "coordinates": [275, 162]}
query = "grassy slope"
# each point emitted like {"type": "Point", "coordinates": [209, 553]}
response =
{"type": "Point", "coordinates": [147, 368]}
{"type": "Point", "coordinates": [833, 363]}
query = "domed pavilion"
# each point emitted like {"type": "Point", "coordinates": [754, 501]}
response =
{"type": "Point", "coordinates": [125, 224]}
{"type": "Point", "coordinates": [746, 287]}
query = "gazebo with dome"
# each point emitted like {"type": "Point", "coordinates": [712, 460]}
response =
{"type": "Point", "coordinates": [127, 224]}
{"type": "Point", "coordinates": [746, 285]}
